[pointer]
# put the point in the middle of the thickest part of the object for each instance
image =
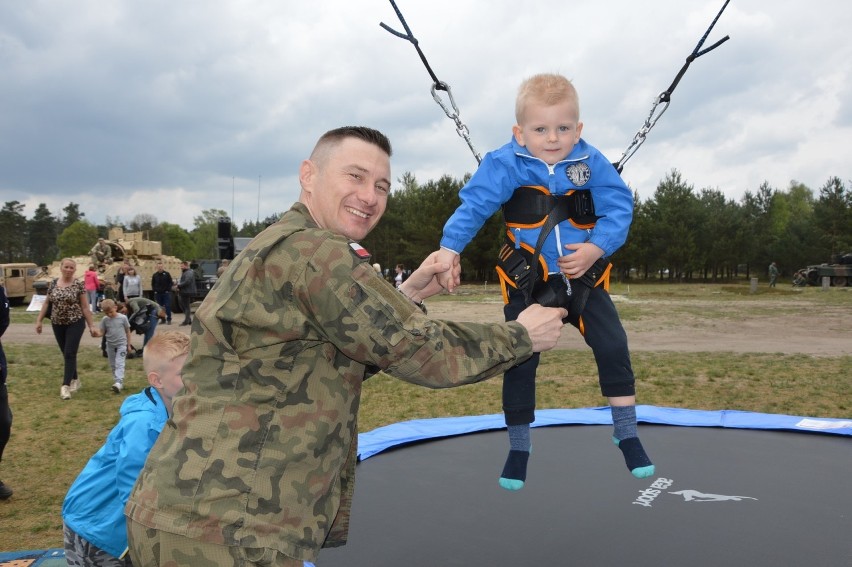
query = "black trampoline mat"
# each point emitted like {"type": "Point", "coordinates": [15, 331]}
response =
{"type": "Point", "coordinates": [719, 497]}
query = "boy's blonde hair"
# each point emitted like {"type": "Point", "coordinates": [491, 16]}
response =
{"type": "Point", "coordinates": [547, 89]}
{"type": "Point", "coordinates": [163, 348]}
{"type": "Point", "coordinates": [108, 304]}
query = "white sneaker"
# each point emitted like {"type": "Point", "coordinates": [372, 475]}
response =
{"type": "Point", "coordinates": [117, 387]}
{"type": "Point", "coordinates": [75, 385]}
{"type": "Point", "coordinates": [65, 392]}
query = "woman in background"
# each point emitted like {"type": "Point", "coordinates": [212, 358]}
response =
{"type": "Point", "coordinates": [70, 313]}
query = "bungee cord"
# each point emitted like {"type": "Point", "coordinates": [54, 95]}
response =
{"type": "Point", "coordinates": [664, 98]}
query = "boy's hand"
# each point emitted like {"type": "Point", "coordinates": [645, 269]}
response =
{"type": "Point", "coordinates": [423, 282]}
{"type": "Point", "coordinates": [575, 264]}
{"type": "Point", "coordinates": [96, 333]}
{"type": "Point", "coordinates": [450, 279]}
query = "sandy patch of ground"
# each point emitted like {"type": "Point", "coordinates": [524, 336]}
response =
{"type": "Point", "coordinates": [781, 326]}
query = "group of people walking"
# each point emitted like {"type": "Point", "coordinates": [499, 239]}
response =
{"type": "Point", "coordinates": [70, 304]}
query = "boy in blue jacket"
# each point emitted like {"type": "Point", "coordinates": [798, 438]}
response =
{"type": "Point", "coordinates": [95, 531]}
{"type": "Point", "coordinates": [566, 210]}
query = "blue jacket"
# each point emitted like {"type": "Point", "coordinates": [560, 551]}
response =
{"type": "Point", "coordinates": [510, 166]}
{"type": "Point", "coordinates": [94, 505]}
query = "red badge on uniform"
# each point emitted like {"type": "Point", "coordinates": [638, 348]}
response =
{"type": "Point", "coordinates": [359, 251]}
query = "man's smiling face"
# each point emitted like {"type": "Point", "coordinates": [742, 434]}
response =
{"type": "Point", "coordinates": [346, 187]}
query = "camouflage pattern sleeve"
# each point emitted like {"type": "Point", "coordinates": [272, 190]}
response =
{"type": "Point", "coordinates": [369, 321]}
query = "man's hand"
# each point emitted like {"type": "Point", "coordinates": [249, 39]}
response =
{"type": "Point", "coordinates": [544, 325]}
{"type": "Point", "coordinates": [423, 282]}
{"type": "Point", "coordinates": [577, 263]}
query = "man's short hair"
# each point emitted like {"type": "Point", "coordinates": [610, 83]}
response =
{"type": "Point", "coordinates": [364, 133]}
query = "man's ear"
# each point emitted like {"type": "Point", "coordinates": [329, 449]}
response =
{"type": "Point", "coordinates": [517, 132]}
{"type": "Point", "coordinates": [307, 174]}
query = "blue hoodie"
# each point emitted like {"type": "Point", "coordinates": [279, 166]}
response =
{"type": "Point", "coordinates": [94, 505]}
{"type": "Point", "coordinates": [510, 166]}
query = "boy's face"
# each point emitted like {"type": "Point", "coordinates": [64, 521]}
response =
{"type": "Point", "coordinates": [549, 132]}
{"type": "Point", "coordinates": [110, 311]}
{"type": "Point", "coordinates": [168, 381]}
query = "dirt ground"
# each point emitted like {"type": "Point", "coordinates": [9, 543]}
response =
{"type": "Point", "coordinates": [779, 325]}
{"type": "Point", "coordinates": [824, 331]}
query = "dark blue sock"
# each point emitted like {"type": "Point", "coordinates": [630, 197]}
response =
{"type": "Point", "coordinates": [625, 436]}
{"type": "Point", "coordinates": [515, 470]}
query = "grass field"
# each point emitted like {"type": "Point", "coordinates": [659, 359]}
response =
{"type": "Point", "coordinates": [52, 439]}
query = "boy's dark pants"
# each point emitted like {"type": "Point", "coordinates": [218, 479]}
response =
{"type": "Point", "coordinates": [603, 333]}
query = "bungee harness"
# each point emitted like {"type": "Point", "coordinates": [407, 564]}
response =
{"type": "Point", "coordinates": [519, 266]}
{"type": "Point", "coordinates": [522, 267]}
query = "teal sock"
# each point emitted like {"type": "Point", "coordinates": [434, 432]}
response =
{"type": "Point", "coordinates": [626, 438]}
{"type": "Point", "coordinates": [515, 470]}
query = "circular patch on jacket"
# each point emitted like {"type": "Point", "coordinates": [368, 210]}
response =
{"type": "Point", "coordinates": [578, 173]}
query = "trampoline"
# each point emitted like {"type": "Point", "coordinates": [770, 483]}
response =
{"type": "Point", "coordinates": [731, 488]}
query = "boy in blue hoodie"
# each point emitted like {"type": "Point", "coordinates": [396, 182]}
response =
{"type": "Point", "coordinates": [95, 531]}
{"type": "Point", "coordinates": [566, 210]}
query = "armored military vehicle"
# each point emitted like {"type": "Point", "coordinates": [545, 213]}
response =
{"type": "Point", "coordinates": [130, 247]}
{"type": "Point", "coordinates": [19, 280]}
{"type": "Point", "coordinates": [839, 272]}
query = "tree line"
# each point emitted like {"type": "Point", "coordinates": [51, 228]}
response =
{"type": "Point", "coordinates": [678, 234]}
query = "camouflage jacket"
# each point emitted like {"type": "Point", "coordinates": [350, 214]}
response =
{"type": "Point", "coordinates": [261, 449]}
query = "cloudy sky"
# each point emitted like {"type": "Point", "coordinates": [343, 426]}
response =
{"type": "Point", "coordinates": [170, 107]}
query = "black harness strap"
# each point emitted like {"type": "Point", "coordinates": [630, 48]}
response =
{"type": "Point", "coordinates": [529, 206]}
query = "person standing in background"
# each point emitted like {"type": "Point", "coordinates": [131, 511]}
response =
{"type": "Point", "coordinates": [161, 285]}
{"type": "Point", "coordinates": [92, 283]}
{"type": "Point", "coordinates": [773, 274]}
{"type": "Point", "coordinates": [5, 410]}
{"type": "Point", "coordinates": [186, 290]}
{"type": "Point", "coordinates": [119, 280]}
{"type": "Point", "coordinates": [131, 286]}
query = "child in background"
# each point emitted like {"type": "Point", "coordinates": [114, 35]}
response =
{"type": "Point", "coordinates": [116, 328]}
{"type": "Point", "coordinates": [92, 283]}
{"type": "Point", "coordinates": [94, 530]}
{"type": "Point", "coordinates": [566, 209]}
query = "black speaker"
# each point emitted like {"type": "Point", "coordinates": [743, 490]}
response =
{"type": "Point", "coordinates": [225, 242]}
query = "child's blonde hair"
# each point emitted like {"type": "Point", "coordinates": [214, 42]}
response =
{"type": "Point", "coordinates": [547, 89]}
{"type": "Point", "coordinates": [108, 304]}
{"type": "Point", "coordinates": [163, 348]}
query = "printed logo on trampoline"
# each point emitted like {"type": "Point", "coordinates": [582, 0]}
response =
{"type": "Point", "coordinates": [646, 497]}
{"type": "Point", "coordinates": [578, 173]}
{"type": "Point", "coordinates": [695, 496]}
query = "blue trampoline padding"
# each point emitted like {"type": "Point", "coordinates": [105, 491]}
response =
{"type": "Point", "coordinates": [379, 439]}
{"type": "Point", "coordinates": [48, 558]}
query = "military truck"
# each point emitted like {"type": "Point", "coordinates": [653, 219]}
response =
{"type": "Point", "coordinates": [839, 272]}
{"type": "Point", "coordinates": [19, 280]}
{"type": "Point", "coordinates": [132, 247]}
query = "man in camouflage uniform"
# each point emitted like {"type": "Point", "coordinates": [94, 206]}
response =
{"type": "Point", "coordinates": [100, 252]}
{"type": "Point", "coordinates": [257, 465]}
